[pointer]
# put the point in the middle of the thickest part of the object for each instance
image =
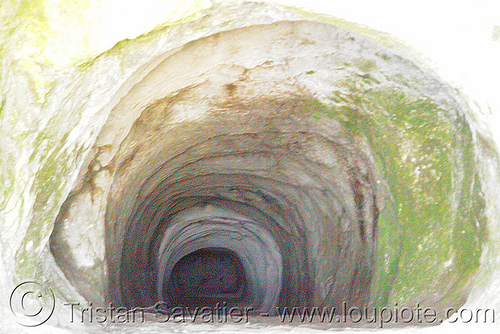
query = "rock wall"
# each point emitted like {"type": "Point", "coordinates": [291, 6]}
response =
{"type": "Point", "coordinates": [333, 168]}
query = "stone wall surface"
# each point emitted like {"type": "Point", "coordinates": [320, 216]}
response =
{"type": "Point", "coordinates": [328, 158]}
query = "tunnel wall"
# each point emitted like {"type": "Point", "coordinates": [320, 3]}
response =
{"type": "Point", "coordinates": [280, 85]}
{"type": "Point", "coordinates": [78, 175]}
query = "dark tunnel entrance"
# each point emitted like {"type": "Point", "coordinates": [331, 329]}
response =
{"type": "Point", "coordinates": [207, 277]}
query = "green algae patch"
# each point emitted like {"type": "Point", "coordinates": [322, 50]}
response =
{"type": "Point", "coordinates": [49, 185]}
{"type": "Point", "coordinates": [377, 36]}
{"type": "Point", "coordinates": [432, 228]}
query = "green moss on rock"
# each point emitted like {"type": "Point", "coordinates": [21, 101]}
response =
{"type": "Point", "coordinates": [431, 231]}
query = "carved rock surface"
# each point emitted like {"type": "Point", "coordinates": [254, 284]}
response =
{"type": "Point", "coordinates": [307, 164]}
